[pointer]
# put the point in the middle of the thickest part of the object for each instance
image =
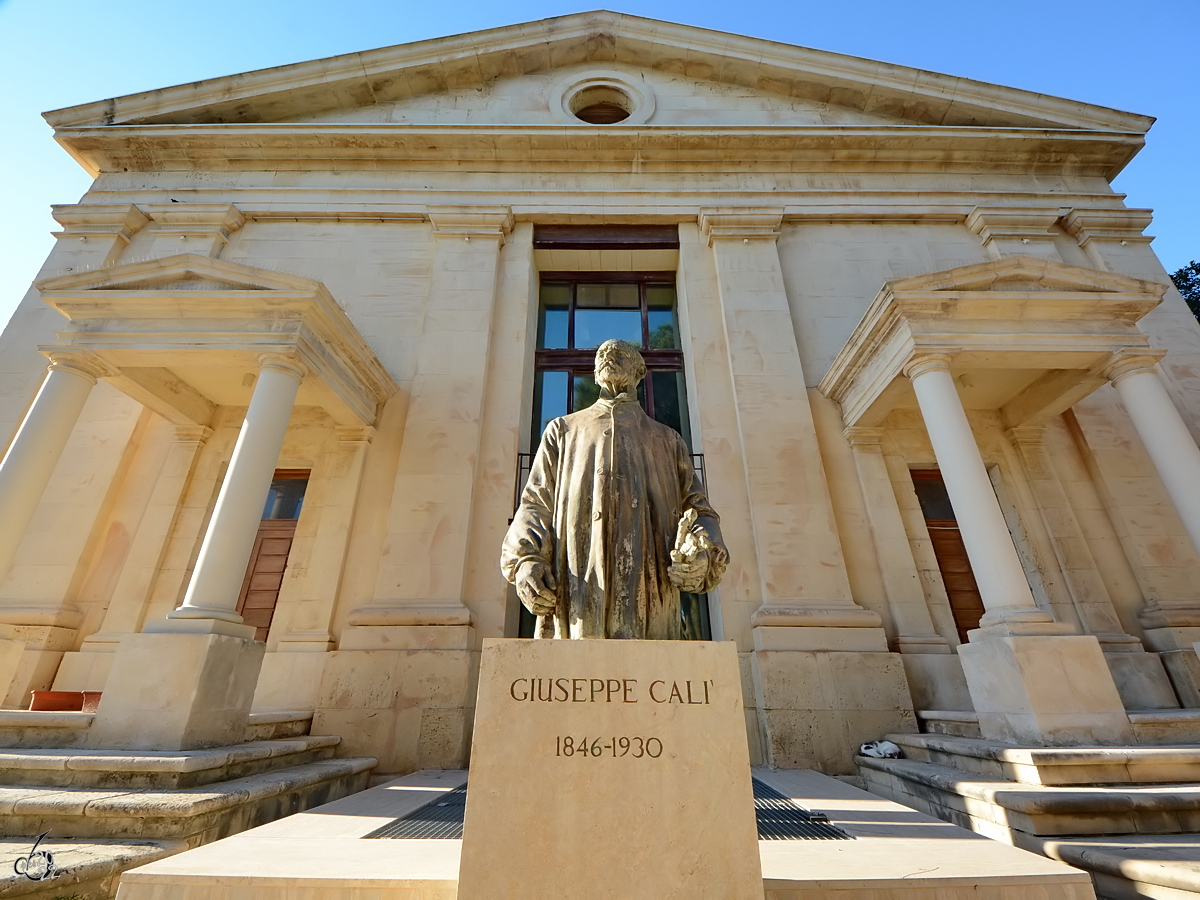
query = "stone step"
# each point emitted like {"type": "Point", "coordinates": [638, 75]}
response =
{"type": "Point", "coordinates": [1165, 726]}
{"type": "Point", "coordinates": [83, 869]}
{"type": "Point", "coordinates": [268, 726]}
{"type": "Point", "coordinates": [38, 729]}
{"type": "Point", "coordinates": [128, 769]}
{"type": "Point", "coordinates": [1133, 867]}
{"type": "Point", "coordinates": [1055, 765]}
{"type": "Point", "coordinates": [994, 806]}
{"type": "Point", "coordinates": [953, 722]}
{"type": "Point", "coordinates": [1151, 727]}
{"type": "Point", "coordinates": [196, 815]}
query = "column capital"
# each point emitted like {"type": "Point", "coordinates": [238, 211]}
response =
{"type": "Point", "coordinates": [920, 363]}
{"type": "Point", "coordinates": [1129, 362]}
{"type": "Point", "coordinates": [94, 220]}
{"type": "Point", "coordinates": [192, 434]}
{"type": "Point", "coordinates": [78, 362]}
{"type": "Point", "coordinates": [741, 223]}
{"type": "Point", "coordinates": [1029, 223]}
{"type": "Point", "coordinates": [1123, 225]}
{"type": "Point", "coordinates": [1026, 434]}
{"type": "Point", "coordinates": [288, 363]}
{"type": "Point", "coordinates": [354, 434]}
{"type": "Point", "coordinates": [467, 222]}
{"type": "Point", "coordinates": [863, 438]}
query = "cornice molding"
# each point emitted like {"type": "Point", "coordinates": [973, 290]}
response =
{"type": "Point", "coordinates": [604, 38]}
{"type": "Point", "coordinates": [540, 148]}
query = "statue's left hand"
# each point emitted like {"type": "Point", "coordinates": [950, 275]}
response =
{"type": "Point", "coordinates": [690, 558]}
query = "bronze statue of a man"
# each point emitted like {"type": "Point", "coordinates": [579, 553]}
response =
{"type": "Point", "coordinates": [614, 521]}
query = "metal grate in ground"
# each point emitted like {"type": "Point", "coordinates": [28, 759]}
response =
{"type": "Point", "coordinates": [439, 819]}
{"type": "Point", "coordinates": [779, 819]}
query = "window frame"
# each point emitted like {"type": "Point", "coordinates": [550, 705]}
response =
{"type": "Point", "coordinates": [582, 361]}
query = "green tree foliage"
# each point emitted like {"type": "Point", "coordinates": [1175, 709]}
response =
{"type": "Point", "coordinates": [1187, 280]}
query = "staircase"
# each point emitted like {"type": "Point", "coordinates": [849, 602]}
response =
{"type": "Point", "coordinates": [111, 810]}
{"type": "Point", "coordinates": [1129, 815]}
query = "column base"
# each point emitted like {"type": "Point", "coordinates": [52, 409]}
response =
{"type": "Point", "coordinates": [816, 707]}
{"type": "Point", "coordinates": [402, 694]}
{"type": "Point", "coordinates": [200, 626]}
{"type": "Point", "coordinates": [11, 652]}
{"type": "Point", "coordinates": [1044, 690]}
{"type": "Point", "coordinates": [177, 692]}
{"type": "Point", "coordinates": [1019, 621]}
{"type": "Point", "coordinates": [1183, 668]}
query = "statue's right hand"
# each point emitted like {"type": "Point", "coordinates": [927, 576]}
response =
{"type": "Point", "coordinates": [535, 587]}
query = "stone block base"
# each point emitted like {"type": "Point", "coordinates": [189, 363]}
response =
{"type": "Point", "coordinates": [1141, 680]}
{"type": "Point", "coordinates": [11, 652]}
{"type": "Point", "coordinates": [1183, 668]}
{"type": "Point", "coordinates": [290, 680]}
{"type": "Point", "coordinates": [177, 692]}
{"type": "Point", "coordinates": [86, 670]}
{"type": "Point", "coordinates": [936, 681]}
{"type": "Point", "coordinates": [816, 708]}
{"type": "Point", "coordinates": [409, 708]}
{"type": "Point", "coordinates": [1044, 690]}
{"type": "Point", "coordinates": [44, 648]}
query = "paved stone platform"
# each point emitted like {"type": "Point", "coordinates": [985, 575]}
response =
{"type": "Point", "coordinates": [899, 854]}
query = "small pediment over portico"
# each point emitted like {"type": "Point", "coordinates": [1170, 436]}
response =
{"type": "Point", "coordinates": [182, 333]}
{"type": "Point", "coordinates": [1028, 337]}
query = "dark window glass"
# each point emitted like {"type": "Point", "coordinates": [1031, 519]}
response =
{"type": "Point", "coordinates": [549, 398]}
{"type": "Point", "coordinates": [285, 498]}
{"type": "Point", "coordinates": [670, 402]}
{"type": "Point", "coordinates": [931, 494]}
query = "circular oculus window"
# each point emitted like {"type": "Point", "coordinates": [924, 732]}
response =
{"type": "Point", "coordinates": [601, 98]}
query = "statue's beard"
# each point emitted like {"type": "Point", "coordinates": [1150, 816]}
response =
{"type": "Point", "coordinates": [614, 385]}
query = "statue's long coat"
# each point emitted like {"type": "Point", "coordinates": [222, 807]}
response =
{"type": "Point", "coordinates": [601, 508]}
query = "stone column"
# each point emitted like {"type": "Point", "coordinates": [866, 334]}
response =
{"type": "Point", "coordinates": [823, 678]}
{"type": "Point", "coordinates": [205, 661]}
{"type": "Point", "coordinates": [998, 571]}
{"type": "Point", "coordinates": [220, 568]}
{"type": "Point", "coordinates": [1030, 679]}
{"type": "Point", "coordinates": [35, 450]}
{"type": "Point", "coordinates": [1163, 433]}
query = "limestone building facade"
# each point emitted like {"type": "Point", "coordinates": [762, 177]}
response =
{"type": "Point", "coordinates": [267, 402]}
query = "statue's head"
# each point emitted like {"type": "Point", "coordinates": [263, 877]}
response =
{"type": "Point", "coordinates": [619, 366]}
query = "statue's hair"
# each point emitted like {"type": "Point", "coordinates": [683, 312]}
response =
{"type": "Point", "coordinates": [625, 348]}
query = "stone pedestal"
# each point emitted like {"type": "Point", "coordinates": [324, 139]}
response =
{"type": "Point", "coordinates": [1045, 690]}
{"type": "Point", "coordinates": [172, 691]}
{"type": "Point", "coordinates": [400, 693]}
{"type": "Point", "coordinates": [657, 804]}
{"type": "Point", "coordinates": [820, 695]}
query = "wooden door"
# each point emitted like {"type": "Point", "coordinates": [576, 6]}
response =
{"type": "Point", "coordinates": [966, 604]}
{"type": "Point", "coordinates": [264, 574]}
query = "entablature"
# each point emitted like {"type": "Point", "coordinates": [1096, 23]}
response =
{"type": "Point", "coordinates": [179, 334]}
{"type": "Point", "coordinates": [1038, 333]}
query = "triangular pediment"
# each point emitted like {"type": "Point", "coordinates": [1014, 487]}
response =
{"type": "Point", "coordinates": [456, 80]}
{"type": "Point", "coordinates": [186, 271]}
{"type": "Point", "coordinates": [1024, 274]}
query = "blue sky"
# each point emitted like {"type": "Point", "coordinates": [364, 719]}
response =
{"type": "Point", "coordinates": [1132, 56]}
